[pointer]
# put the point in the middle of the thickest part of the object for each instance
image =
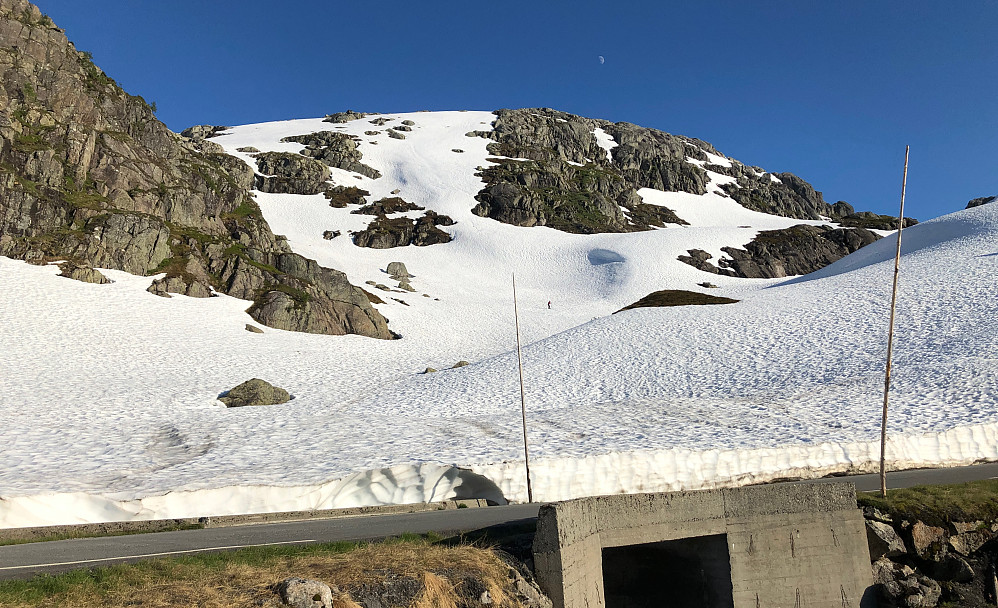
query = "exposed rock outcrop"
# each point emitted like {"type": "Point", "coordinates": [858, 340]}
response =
{"type": "Point", "coordinates": [566, 183]}
{"type": "Point", "coordinates": [917, 565]}
{"type": "Point", "coordinates": [385, 232]}
{"type": "Point", "coordinates": [387, 206]}
{"type": "Point", "coordinates": [88, 175]}
{"type": "Point", "coordinates": [779, 253]}
{"type": "Point", "coordinates": [984, 200]}
{"type": "Point", "coordinates": [341, 196]}
{"type": "Point", "coordinates": [789, 196]}
{"type": "Point", "coordinates": [342, 117]}
{"type": "Point", "coordinates": [873, 221]}
{"type": "Point", "coordinates": [290, 173]}
{"type": "Point", "coordinates": [336, 150]}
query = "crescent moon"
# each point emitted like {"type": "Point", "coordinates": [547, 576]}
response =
{"type": "Point", "coordinates": [601, 60]}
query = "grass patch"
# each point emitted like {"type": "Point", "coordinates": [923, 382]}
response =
{"type": "Point", "coordinates": [246, 577]}
{"type": "Point", "coordinates": [262, 266]}
{"type": "Point", "coordinates": [248, 208]}
{"type": "Point", "coordinates": [300, 297]}
{"type": "Point", "coordinates": [29, 142]}
{"type": "Point", "coordinates": [677, 297]}
{"type": "Point", "coordinates": [939, 505]}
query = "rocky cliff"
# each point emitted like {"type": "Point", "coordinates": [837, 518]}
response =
{"type": "Point", "coordinates": [89, 175]}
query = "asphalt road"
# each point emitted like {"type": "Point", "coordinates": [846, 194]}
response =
{"type": "Point", "coordinates": [26, 560]}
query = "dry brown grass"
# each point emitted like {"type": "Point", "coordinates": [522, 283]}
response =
{"type": "Point", "coordinates": [232, 579]}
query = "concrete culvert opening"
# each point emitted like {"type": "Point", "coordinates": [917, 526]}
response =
{"type": "Point", "coordinates": [684, 573]}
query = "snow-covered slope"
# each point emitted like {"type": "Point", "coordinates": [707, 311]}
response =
{"type": "Point", "coordinates": [109, 393]}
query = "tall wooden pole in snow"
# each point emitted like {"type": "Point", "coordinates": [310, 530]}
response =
{"type": "Point", "coordinates": [523, 402]}
{"type": "Point", "coordinates": [890, 336]}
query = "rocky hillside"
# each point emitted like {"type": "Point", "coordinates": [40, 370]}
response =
{"type": "Point", "coordinates": [553, 171]}
{"type": "Point", "coordinates": [90, 176]}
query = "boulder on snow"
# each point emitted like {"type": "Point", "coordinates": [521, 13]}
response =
{"type": "Point", "coordinates": [255, 392]}
{"type": "Point", "coordinates": [82, 272]}
{"type": "Point", "coordinates": [397, 271]}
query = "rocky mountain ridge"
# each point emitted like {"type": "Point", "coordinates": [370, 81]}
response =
{"type": "Point", "coordinates": [89, 175]}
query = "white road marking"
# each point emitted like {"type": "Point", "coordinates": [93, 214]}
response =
{"type": "Point", "coordinates": [107, 559]}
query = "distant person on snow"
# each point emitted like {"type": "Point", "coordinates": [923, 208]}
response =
{"type": "Point", "coordinates": [549, 304]}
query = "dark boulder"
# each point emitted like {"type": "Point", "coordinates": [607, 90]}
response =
{"type": "Point", "coordinates": [341, 196]}
{"type": "Point", "coordinates": [385, 232]}
{"type": "Point", "coordinates": [255, 392]}
{"type": "Point", "coordinates": [387, 206]}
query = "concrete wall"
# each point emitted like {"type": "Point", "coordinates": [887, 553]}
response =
{"type": "Point", "coordinates": [792, 546]}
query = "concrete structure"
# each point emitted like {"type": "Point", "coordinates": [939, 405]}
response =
{"type": "Point", "coordinates": [785, 546]}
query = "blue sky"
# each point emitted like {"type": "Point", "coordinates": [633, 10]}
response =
{"type": "Point", "coordinates": [831, 91]}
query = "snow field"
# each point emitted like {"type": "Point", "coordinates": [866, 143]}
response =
{"type": "Point", "coordinates": [110, 407]}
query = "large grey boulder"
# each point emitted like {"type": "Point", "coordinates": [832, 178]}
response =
{"type": "Point", "coordinates": [305, 593]}
{"type": "Point", "coordinates": [398, 271]}
{"type": "Point", "coordinates": [969, 542]}
{"type": "Point", "coordinates": [82, 272]}
{"type": "Point", "coordinates": [883, 540]}
{"type": "Point", "coordinates": [203, 131]}
{"type": "Point", "coordinates": [309, 298]}
{"type": "Point", "coordinates": [927, 540]}
{"type": "Point", "coordinates": [255, 392]}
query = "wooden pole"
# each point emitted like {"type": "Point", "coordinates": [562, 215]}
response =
{"type": "Point", "coordinates": [890, 336]}
{"type": "Point", "coordinates": [523, 402]}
